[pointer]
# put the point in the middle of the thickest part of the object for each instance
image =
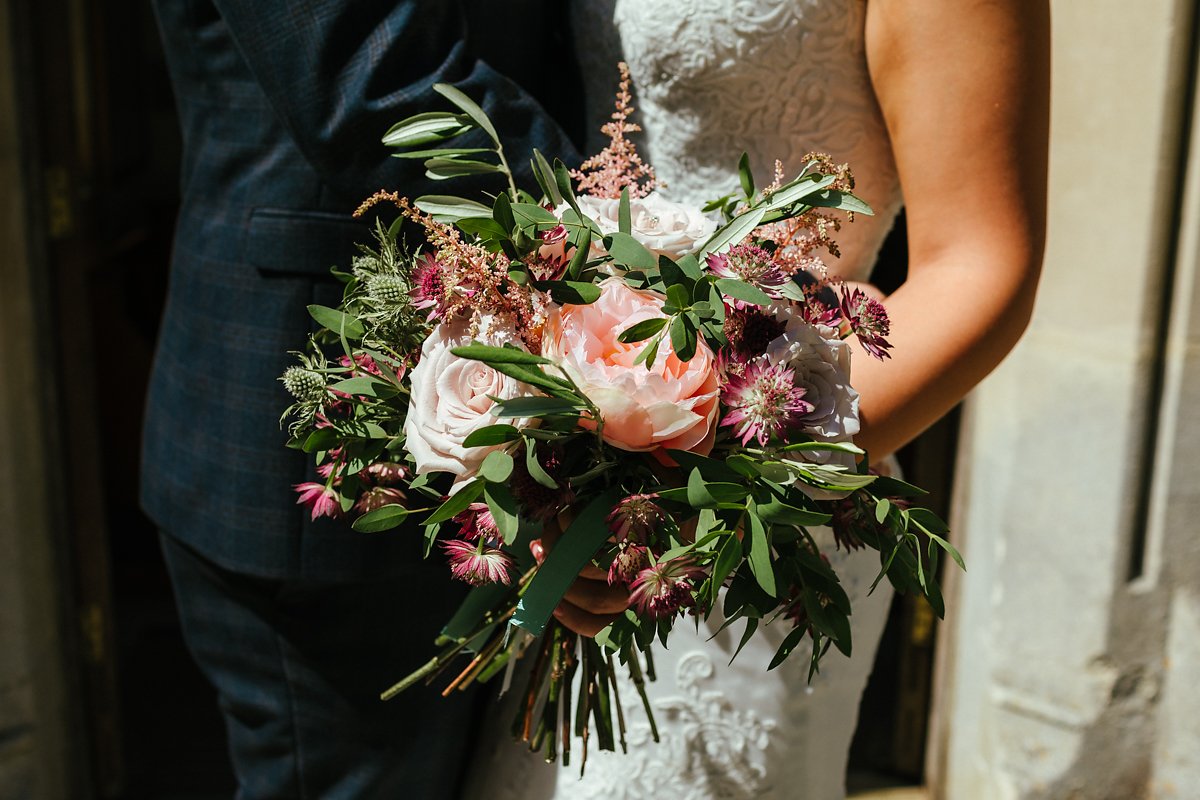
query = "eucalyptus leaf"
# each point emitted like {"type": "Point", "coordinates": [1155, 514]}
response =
{"type": "Point", "coordinates": [534, 407]}
{"type": "Point", "coordinates": [740, 290]}
{"type": "Point", "coordinates": [443, 152]}
{"type": "Point", "coordinates": [789, 643]}
{"type": "Point", "coordinates": [431, 126]}
{"type": "Point", "coordinates": [544, 175]}
{"type": "Point", "coordinates": [457, 503]}
{"type": "Point", "coordinates": [491, 435]}
{"type": "Point", "coordinates": [760, 555]}
{"type": "Point", "coordinates": [797, 190]}
{"type": "Point", "coordinates": [448, 206]}
{"type": "Point", "coordinates": [533, 216]}
{"type": "Point", "coordinates": [734, 231]}
{"type": "Point", "coordinates": [844, 201]}
{"type": "Point", "coordinates": [364, 386]}
{"type": "Point", "coordinates": [337, 321]}
{"type": "Point", "coordinates": [497, 466]}
{"type": "Point", "coordinates": [497, 355]}
{"type": "Point", "coordinates": [470, 107]}
{"type": "Point", "coordinates": [440, 169]}
{"type": "Point", "coordinates": [577, 293]}
{"type": "Point", "coordinates": [629, 252]}
{"type": "Point", "coordinates": [534, 467]}
{"type": "Point", "coordinates": [502, 212]}
{"type": "Point", "coordinates": [642, 330]}
{"type": "Point", "coordinates": [504, 510]}
{"type": "Point", "coordinates": [624, 216]}
{"type": "Point", "coordinates": [381, 519]}
{"type": "Point", "coordinates": [746, 176]}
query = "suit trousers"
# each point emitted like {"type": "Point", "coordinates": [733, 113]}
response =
{"type": "Point", "coordinates": [298, 667]}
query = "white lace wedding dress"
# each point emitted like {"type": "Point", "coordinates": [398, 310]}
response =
{"type": "Point", "coordinates": [778, 79]}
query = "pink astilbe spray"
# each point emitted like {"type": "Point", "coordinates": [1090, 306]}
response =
{"type": "Point", "coordinates": [618, 166]}
{"type": "Point", "coordinates": [662, 590]}
{"type": "Point", "coordinates": [763, 402]}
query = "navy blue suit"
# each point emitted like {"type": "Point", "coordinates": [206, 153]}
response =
{"type": "Point", "coordinates": [282, 107]}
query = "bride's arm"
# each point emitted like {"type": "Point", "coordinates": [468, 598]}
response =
{"type": "Point", "coordinates": [964, 88]}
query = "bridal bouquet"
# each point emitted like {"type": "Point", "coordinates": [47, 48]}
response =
{"type": "Point", "coordinates": [669, 385]}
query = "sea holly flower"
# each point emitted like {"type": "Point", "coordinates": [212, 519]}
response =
{"type": "Point", "coordinates": [304, 384]}
{"type": "Point", "coordinates": [636, 517]}
{"type": "Point", "coordinates": [321, 500]}
{"type": "Point", "coordinates": [764, 401]}
{"type": "Point", "coordinates": [628, 562]}
{"type": "Point", "coordinates": [752, 264]}
{"type": "Point", "coordinates": [662, 590]}
{"type": "Point", "coordinates": [868, 319]}
{"type": "Point", "coordinates": [478, 564]}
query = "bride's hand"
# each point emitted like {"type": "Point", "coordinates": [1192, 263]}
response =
{"type": "Point", "coordinates": [590, 604]}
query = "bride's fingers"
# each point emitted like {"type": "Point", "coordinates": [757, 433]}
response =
{"type": "Point", "coordinates": [582, 622]}
{"type": "Point", "coordinates": [597, 597]}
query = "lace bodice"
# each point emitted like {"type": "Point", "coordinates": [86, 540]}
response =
{"type": "Point", "coordinates": [775, 78]}
{"type": "Point", "coordinates": [778, 79]}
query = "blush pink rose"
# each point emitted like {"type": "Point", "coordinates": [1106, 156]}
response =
{"type": "Point", "coordinates": [671, 406]}
{"type": "Point", "coordinates": [451, 398]}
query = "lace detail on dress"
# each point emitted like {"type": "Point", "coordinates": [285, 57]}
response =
{"type": "Point", "coordinates": [776, 78]}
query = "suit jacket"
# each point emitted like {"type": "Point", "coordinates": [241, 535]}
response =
{"type": "Point", "coordinates": [282, 106]}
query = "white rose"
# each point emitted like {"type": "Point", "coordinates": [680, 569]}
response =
{"type": "Point", "coordinates": [822, 366]}
{"type": "Point", "coordinates": [451, 398]}
{"type": "Point", "coordinates": [665, 228]}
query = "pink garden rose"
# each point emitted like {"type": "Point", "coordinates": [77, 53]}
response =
{"type": "Point", "coordinates": [673, 405]}
{"type": "Point", "coordinates": [451, 398]}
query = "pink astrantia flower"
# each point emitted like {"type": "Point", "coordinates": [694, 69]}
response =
{"type": "Point", "coordinates": [320, 499]}
{"type": "Point", "coordinates": [385, 473]}
{"type": "Point", "coordinates": [378, 497]}
{"type": "Point", "coordinates": [477, 523]}
{"type": "Point", "coordinates": [636, 517]}
{"type": "Point", "coordinates": [749, 331]}
{"type": "Point", "coordinates": [478, 564]}
{"type": "Point", "coordinates": [869, 321]}
{"type": "Point", "coordinates": [751, 264]}
{"type": "Point", "coordinates": [630, 560]}
{"type": "Point", "coordinates": [660, 591]}
{"type": "Point", "coordinates": [763, 401]}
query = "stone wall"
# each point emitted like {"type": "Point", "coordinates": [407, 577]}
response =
{"type": "Point", "coordinates": [1075, 628]}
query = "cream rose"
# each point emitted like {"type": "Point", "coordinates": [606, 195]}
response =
{"type": "Point", "coordinates": [451, 398]}
{"type": "Point", "coordinates": [671, 406]}
{"type": "Point", "coordinates": [664, 227]}
{"type": "Point", "coordinates": [822, 366]}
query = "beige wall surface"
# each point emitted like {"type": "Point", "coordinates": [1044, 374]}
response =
{"type": "Point", "coordinates": [1054, 684]}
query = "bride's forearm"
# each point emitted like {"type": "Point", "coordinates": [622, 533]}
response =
{"type": "Point", "coordinates": [953, 321]}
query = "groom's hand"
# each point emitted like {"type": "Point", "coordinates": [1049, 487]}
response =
{"type": "Point", "coordinates": [590, 604]}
